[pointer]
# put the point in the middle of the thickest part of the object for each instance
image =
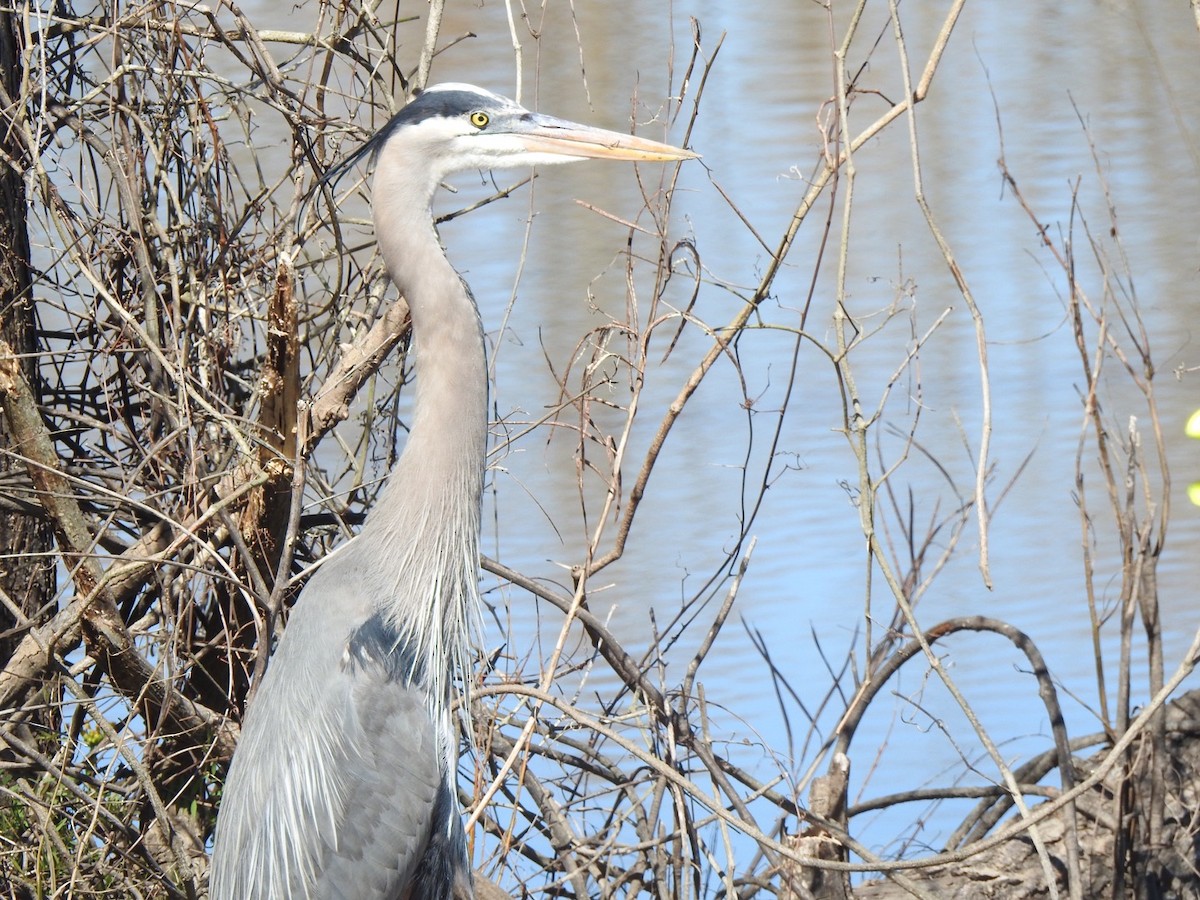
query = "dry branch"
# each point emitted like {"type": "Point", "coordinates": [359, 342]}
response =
{"type": "Point", "coordinates": [202, 414]}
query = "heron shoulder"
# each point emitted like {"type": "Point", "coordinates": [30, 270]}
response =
{"type": "Point", "coordinates": [312, 807]}
{"type": "Point", "coordinates": [377, 647]}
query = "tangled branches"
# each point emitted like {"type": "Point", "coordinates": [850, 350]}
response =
{"type": "Point", "coordinates": [199, 399]}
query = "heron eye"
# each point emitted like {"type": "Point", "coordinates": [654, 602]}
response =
{"type": "Point", "coordinates": [480, 119]}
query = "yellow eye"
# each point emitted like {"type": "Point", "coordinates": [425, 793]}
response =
{"type": "Point", "coordinates": [480, 119]}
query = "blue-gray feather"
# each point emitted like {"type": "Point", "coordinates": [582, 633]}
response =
{"type": "Point", "coordinates": [339, 789]}
{"type": "Point", "coordinates": [343, 782]}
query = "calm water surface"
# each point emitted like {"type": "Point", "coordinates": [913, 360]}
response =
{"type": "Point", "coordinates": [1057, 74]}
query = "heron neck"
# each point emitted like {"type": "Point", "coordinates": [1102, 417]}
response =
{"type": "Point", "coordinates": [425, 525]}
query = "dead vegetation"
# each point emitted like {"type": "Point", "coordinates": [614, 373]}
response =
{"type": "Point", "coordinates": [196, 407]}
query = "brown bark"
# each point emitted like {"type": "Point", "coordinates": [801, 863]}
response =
{"type": "Point", "coordinates": [26, 538]}
{"type": "Point", "coordinates": [1167, 867]}
{"type": "Point", "coordinates": [827, 802]}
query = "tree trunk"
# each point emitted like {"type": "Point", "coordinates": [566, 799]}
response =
{"type": "Point", "coordinates": [27, 582]}
{"type": "Point", "coordinates": [26, 538]}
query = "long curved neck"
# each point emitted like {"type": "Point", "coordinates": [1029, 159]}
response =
{"type": "Point", "coordinates": [425, 526]}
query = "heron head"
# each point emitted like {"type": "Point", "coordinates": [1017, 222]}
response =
{"type": "Point", "coordinates": [455, 127]}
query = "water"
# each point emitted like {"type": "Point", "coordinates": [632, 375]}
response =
{"type": "Point", "coordinates": [1120, 75]}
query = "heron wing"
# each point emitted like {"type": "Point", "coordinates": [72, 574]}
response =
{"type": "Point", "coordinates": [392, 775]}
{"type": "Point", "coordinates": [339, 789]}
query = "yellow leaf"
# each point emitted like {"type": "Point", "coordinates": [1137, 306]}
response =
{"type": "Point", "coordinates": [1192, 429]}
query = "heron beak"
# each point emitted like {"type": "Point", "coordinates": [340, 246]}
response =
{"type": "Point", "coordinates": [546, 134]}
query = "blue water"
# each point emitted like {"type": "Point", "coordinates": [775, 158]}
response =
{"type": "Point", "coordinates": [1057, 77]}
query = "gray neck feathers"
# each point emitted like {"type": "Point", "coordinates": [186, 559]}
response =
{"type": "Point", "coordinates": [424, 530]}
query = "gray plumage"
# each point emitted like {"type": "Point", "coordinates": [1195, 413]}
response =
{"type": "Point", "coordinates": [343, 785]}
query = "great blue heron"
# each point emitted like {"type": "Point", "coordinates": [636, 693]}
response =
{"type": "Point", "coordinates": [343, 783]}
